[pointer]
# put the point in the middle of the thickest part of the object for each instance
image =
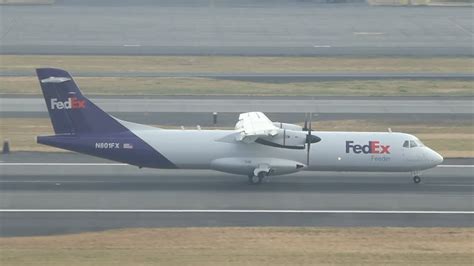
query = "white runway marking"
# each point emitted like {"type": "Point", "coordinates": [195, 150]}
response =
{"type": "Point", "coordinates": [131, 45]}
{"type": "Point", "coordinates": [456, 166]}
{"type": "Point", "coordinates": [368, 33]}
{"type": "Point", "coordinates": [322, 46]}
{"type": "Point", "coordinates": [468, 32]}
{"type": "Point", "coordinates": [236, 211]}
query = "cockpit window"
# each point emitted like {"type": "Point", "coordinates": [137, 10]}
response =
{"type": "Point", "coordinates": [412, 143]}
{"type": "Point", "coordinates": [406, 144]}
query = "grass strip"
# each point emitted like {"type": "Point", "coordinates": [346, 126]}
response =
{"type": "Point", "coordinates": [246, 246]}
{"type": "Point", "coordinates": [206, 86]}
{"type": "Point", "coordinates": [242, 64]}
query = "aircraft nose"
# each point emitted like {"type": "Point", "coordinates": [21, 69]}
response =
{"type": "Point", "coordinates": [439, 159]}
{"type": "Point", "coordinates": [435, 157]}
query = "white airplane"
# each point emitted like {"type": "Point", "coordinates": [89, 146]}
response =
{"type": "Point", "coordinates": [257, 147]}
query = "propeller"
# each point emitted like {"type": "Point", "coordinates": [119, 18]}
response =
{"type": "Point", "coordinates": [309, 137]}
{"type": "Point", "coordinates": [305, 128]}
{"type": "Point", "coordinates": [308, 142]}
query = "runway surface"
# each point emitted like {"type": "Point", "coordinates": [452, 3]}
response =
{"type": "Point", "coordinates": [64, 192]}
{"type": "Point", "coordinates": [385, 105]}
{"type": "Point", "coordinates": [301, 28]}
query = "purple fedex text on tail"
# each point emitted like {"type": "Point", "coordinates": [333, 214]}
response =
{"type": "Point", "coordinates": [83, 127]}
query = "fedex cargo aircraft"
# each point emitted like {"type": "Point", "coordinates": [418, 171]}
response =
{"type": "Point", "coordinates": [256, 148]}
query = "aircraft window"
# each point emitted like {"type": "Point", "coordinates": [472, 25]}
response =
{"type": "Point", "coordinates": [413, 144]}
{"type": "Point", "coordinates": [406, 144]}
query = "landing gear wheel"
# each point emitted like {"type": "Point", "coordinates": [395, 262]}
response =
{"type": "Point", "coordinates": [261, 176]}
{"type": "Point", "coordinates": [257, 179]}
{"type": "Point", "coordinates": [416, 179]}
{"type": "Point", "coordinates": [254, 180]}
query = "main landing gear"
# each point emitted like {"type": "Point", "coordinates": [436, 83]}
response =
{"type": "Point", "coordinates": [416, 177]}
{"type": "Point", "coordinates": [257, 179]}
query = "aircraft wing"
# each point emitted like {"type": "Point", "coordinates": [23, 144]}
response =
{"type": "Point", "coordinates": [253, 125]}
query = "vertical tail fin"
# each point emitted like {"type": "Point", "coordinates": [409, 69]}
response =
{"type": "Point", "coordinates": [69, 110]}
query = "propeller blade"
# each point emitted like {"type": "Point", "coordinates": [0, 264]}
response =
{"type": "Point", "coordinates": [310, 121]}
{"type": "Point", "coordinates": [308, 147]}
{"type": "Point", "coordinates": [308, 139]}
{"type": "Point", "coordinates": [305, 128]}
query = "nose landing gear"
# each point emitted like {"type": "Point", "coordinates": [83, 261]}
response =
{"type": "Point", "coordinates": [416, 177]}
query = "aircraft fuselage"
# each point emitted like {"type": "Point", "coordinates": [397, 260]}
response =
{"type": "Point", "coordinates": [204, 149]}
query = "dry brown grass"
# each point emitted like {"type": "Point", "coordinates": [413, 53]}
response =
{"type": "Point", "coordinates": [205, 86]}
{"type": "Point", "coordinates": [246, 246]}
{"type": "Point", "coordinates": [22, 132]}
{"type": "Point", "coordinates": [235, 64]}
{"type": "Point", "coordinates": [229, 64]}
{"type": "Point", "coordinates": [450, 138]}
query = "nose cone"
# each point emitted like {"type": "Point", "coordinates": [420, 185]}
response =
{"type": "Point", "coordinates": [434, 157]}
{"type": "Point", "coordinates": [439, 159]}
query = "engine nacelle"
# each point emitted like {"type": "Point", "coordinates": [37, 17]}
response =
{"type": "Point", "coordinates": [288, 126]}
{"type": "Point", "coordinates": [246, 166]}
{"type": "Point", "coordinates": [288, 139]}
